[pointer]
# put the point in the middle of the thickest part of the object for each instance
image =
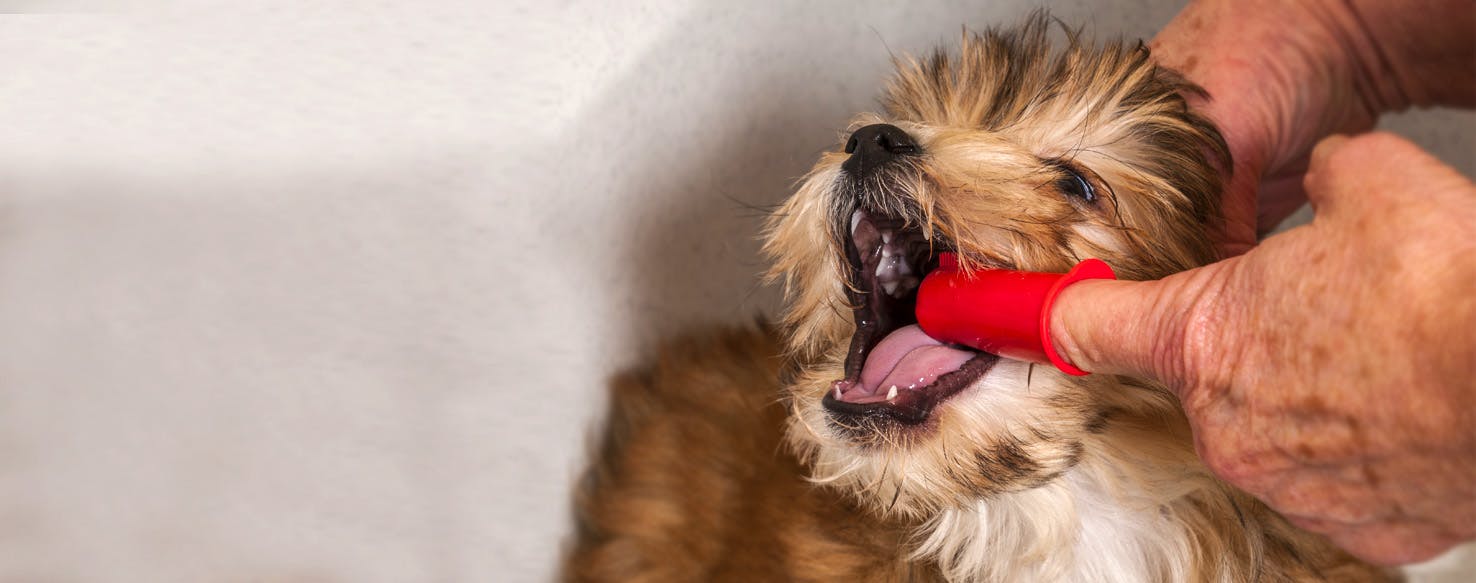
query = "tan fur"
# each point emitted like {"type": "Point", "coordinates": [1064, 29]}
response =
{"type": "Point", "coordinates": [691, 482]}
{"type": "Point", "coordinates": [707, 473]}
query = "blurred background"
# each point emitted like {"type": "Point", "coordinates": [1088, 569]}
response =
{"type": "Point", "coordinates": [329, 291]}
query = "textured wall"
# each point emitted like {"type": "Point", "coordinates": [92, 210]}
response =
{"type": "Point", "coordinates": [328, 291]}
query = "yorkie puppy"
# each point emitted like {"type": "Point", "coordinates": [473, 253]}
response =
{"type": "Point", "coordinates": [854, 448]}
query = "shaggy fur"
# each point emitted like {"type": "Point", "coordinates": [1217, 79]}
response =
{"type": "Point", "coordinates": [1027, 474]}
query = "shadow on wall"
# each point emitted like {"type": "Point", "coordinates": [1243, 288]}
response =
{"type": "Point", "coordinates": [693, 172]}
{"type": "Point", "coordinates": [695, 247]}
{"type": "Point", "coordinates": [690, 175]}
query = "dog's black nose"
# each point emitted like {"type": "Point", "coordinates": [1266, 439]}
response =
{"type": "Point", "coordinates": [875, 146]}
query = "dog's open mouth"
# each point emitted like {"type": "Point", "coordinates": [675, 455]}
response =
{"type": "Point", "coordinates": [893, 369]}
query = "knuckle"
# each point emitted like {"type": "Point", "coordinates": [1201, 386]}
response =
{"type": "Point", "coordinates": [1372, 149]}
{"type": "Point", "coordinates": [1359, 151]}
{"type": "Point", "coordinates": [1379, 141]}
{"type": "Point", "coordinates": [1199, 343]}
{"type": "Point", "coordinates": [1399, 545]}
{"type": "Point", "coordinates": [1225, 462]}
{"type": "Point", "coordinates": [1197, 360]}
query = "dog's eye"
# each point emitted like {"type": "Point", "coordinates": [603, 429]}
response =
{"type": "Point", "coordinates": [1074, 184]}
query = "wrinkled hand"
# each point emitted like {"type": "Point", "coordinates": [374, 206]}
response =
{"type": "Point", "coordinates": [1283, 75]}
{"type": "Point", "coordinates": [1330, 371]}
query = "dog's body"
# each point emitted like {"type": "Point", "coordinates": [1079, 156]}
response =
{"type": "Point", "coordinates": [693, 482]}
{"type": "Point", "coordinates": [981, 469]}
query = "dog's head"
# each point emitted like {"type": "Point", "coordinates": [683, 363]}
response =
{"type": "Point", "coordinates": [1015, 155]}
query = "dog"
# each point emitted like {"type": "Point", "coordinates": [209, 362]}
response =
{"type": "Point", "coordinates": [845, 445]}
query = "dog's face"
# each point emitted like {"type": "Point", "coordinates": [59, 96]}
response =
{"type": "Point", "coordinates": [1016, 156]}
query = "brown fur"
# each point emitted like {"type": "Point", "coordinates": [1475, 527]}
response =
{"type": "Point", "coordinates": [692, 483]}
{"type": "Point", "coordinates": [707, 474]}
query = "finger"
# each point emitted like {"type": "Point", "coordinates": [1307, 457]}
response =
{"type": "Point", "coordinates": [1236, 234]}
{"type": "Point", "coordinates": [1279, 198]}
{"type": "Point", "coordinates": [1155, 329]}
{"type": "Point", "coordinates": [1376, 168]}
{"type": "Point", "coordinates": [1329, 495]}
{"type": "Point", "coordinates": [1228, 444]}
{"type": "Point", "coordinates": [1393, 542]}
{"type": "Point", "coordinates": [1390, 544]}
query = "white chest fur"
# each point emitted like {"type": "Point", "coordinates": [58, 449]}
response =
{"type": "Point", "coordinates": [1075, 529]}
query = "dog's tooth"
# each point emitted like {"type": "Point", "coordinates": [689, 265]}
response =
{"type": "Point", "coordinates": [892, 393]}
{"type": "Point", "coordinates": [837, 392]}
{"type": "Point", "coordinates": [890, 286]}
{"type": "Point", "coordinates": [856, 221]}
{"type": "Point", "coordinates": [886, 237]}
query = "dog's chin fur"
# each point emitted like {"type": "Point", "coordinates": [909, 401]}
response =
{"type": "Point", "coordinates": [1025, 474]}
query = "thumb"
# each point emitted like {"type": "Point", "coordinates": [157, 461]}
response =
{"type": "Point", "coordinates": [1165, 329]}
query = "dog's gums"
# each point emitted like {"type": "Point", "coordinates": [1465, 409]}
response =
{"type": "Point", "coordinates": [893, 370]}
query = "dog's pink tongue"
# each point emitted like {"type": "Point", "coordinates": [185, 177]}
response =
{"type": "Point", "coordinates": [909, 359]}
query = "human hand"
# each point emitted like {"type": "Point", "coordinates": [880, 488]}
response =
{"type": "Point", "coordinates": [1330, 371]}
{"type": "Point", "coordinates": [1283, 75]}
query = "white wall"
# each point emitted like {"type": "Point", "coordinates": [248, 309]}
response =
{"type": "Point", "coordinates": [328, 291]}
